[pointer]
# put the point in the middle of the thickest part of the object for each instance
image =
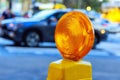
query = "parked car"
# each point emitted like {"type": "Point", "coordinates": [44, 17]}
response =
{"type": "Point", "coordinates": [100, 32]}
{"type": "Point", "coordinates": [108, 26]}
{"type": "Point", "coordinates": [39, 28]}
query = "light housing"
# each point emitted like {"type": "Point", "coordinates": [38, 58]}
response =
{"type": "Point", "coordinates": [74, 35]}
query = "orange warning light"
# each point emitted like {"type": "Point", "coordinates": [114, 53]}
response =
{"type": "Point", "coordinates": [74, 35]}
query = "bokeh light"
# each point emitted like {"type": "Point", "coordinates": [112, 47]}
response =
{"type": "Point", "coordinates": [88, 8]}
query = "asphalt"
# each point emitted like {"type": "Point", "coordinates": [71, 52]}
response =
{"type": "Point", "coordinates": [35, 67]}
{"type": "Point", "coordinates": [21, 63]}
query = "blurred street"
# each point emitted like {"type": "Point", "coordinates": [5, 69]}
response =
{"type": "Point", "coordinates": [27, 35]}
{"type": "Point", "coordinates": [23, 63]}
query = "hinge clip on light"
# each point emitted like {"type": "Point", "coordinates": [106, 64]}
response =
{"type": "Point", "coordinates": [74, 37]}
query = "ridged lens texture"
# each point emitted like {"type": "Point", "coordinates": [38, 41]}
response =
{"type": "Point", "coordinates": [74, 35]}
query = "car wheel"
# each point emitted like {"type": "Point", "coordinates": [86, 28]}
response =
{"type": "Point", "coordinates": [17, 43]}
{"type": "Point", "coordinates": [32, 39]}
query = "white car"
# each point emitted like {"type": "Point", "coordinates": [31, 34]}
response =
{"type": "Point", "coordinates": [108, 26]}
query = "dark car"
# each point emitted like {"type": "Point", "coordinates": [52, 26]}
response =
{"type": "Point", "coordinates": [100, 33]}
{"type": "Point", "coordinates": [31, 31]}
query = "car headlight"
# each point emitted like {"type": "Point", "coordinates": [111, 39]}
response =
{"type": "Point", "coordinates": [102, 31]}
{"type": "Point", "coordinates": [12, 26]}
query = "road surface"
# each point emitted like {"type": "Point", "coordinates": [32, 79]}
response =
{"type": "Point", "coordinates": [23, 63]}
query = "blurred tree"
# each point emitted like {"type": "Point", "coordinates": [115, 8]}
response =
{"type": "Point", "coordinates": [9, 3]}
{"type": "Point", "coordinates": [95, 4]}
{"type": "Point", "coordinates": [70, 3]}
{"type": "Point", "coordinates": [43, 1]}
{"type": "Point", "coordinates": [26, 5]}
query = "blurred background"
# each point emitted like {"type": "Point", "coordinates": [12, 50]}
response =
{"type": "Point", "coordinates": [27, 37]}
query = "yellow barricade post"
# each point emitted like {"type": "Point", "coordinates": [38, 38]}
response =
{"type": "Point", "coordinates": [74, 37]}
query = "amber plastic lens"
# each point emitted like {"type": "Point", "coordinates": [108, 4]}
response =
{"type": "Point", "coordinates": [74, 35]}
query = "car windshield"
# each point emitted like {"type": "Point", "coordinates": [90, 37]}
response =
{"type": "Point", "coordinates": [43, 14]}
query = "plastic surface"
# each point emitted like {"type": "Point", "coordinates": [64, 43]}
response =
{"type": "Point", "coordinates": [70, 70]}
{"type": "Point", "coordinates": [74, 35]}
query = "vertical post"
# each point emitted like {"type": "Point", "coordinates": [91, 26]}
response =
{"type": "Point", "coordinates": [10, 4]}
{"type": "Point", "coordinates": [54, 2]}
{"type": "Point", "coordinates": [79, 4]}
